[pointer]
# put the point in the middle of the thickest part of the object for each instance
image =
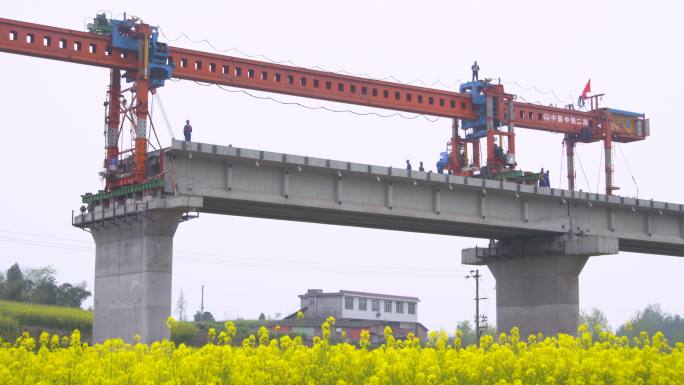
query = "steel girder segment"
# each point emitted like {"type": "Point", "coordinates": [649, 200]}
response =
{"type": "Point", "coordinates": [63, 44]}
{"type": "Point", "coordinates": [252, 74]}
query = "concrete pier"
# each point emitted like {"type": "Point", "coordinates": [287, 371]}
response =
{"type": "Point", "coordinates": [133, 264]}
{"type": "Point", "coordinates": [537, 281]}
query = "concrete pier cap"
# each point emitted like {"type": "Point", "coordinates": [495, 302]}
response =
{"type": "Point", "coordinates": [537, 280]}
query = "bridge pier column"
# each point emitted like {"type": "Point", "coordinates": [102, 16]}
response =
{"type": "Point", "coordinates": [537, 280]}
{"type": "Point", "coordinates": [133, 263]}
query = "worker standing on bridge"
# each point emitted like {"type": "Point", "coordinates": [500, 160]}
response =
{"type": "Point", "coordinates": [408, 165]}
{"type": "Point", "coordinates": [421, 168]}
{"type": "Point", "coordinates": [476, 69]}
{"type": "Point", "coordinates": [187, 131]}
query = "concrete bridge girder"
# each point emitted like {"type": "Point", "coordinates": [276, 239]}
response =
{"type": "Point", "coordinates": [234, 181]}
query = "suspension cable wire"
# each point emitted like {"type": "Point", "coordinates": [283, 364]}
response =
{"type": "Point", "coordinates": [560, 176]}
{"type": "Point", "coordinates": [166, 118]}
{"type": "Point", "coordinates": [582, 168]}
{"type": "Point", "coordinates": [270, 98]}
{"type": "Point", "coordinates": [449, 85]}
{"type": "Point", "coordinates": [624, 158]}
{"type": "Point", "coordinates": [527, 101]}
{"type": "Point", "coordinates": [598, 179]}
{"type": "Point", "coordinates": [569, 99]}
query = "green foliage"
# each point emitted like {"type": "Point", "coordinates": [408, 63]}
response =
{"type": "Point", "coordinates": [596, 322]}
{"type": "Point", "coordinates": [206, 317]}
{"type": "Point", "coordinates": [467, 332]}
{"type": "Point", "coordinates": [54, 317]}
{"type": "Point", "coordinates": [651, 320]}
{"type": "Point", "coordinates": [71, 295]}
{"type": "Point", "coordinates": [40, 286]}
{"type": "Point", "coordinates": [15, 284]}
{"type": "Point", "coordinates": [9, 328]}
{"type": "Point", "coordinates": [183, 332]}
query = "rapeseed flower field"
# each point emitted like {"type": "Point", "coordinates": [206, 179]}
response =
{"type": "Point", "coordinates": [261, 360]}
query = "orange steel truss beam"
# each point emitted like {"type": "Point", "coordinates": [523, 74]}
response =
{"type": "Point", "coordinates": [92, 49]}
{"type": "Point", "coordinates": [62, 44]}
{"type": "Point", "coordinates": [252, 74]}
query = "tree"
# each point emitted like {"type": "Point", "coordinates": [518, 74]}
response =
{"type": "Point", "coordinates": [596, 321]}
{"type": "Point", "coordinates": [3, 283]}
{"type": "Point", "coordinates": [467, 332]}
{"type": "Point", "coordinates": [181, 307]}
{"type": "Point", "coordinates": [651, 320]}
{"type": "Point", "coordinates": [72, 295]}
{"type": "Point", "coordinates": [40, 276]}
{"type": "Point", "coordinates": [40, 286]}
{"type": "Point", "coordinates": [262, 317]}
{"type": "Point", "coordinates": [206, 317]}
{"type": "Point", "coordinates": [43, 293]}
{"type": "Point", "coordinates": [15, 285]}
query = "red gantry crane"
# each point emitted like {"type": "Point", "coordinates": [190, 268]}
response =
{"type": "Point", "coordinates": [481, 111]}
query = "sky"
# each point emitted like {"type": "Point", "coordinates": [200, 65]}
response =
{"type": "Point", "coordinates": [53, 143]}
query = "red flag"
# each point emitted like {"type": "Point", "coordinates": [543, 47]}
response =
{"type": "Point", "coordinates": [587, 89]}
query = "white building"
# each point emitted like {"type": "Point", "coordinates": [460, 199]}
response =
{"type": "Point", "coordinates": [355, 305]}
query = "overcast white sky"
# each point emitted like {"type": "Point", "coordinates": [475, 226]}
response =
{"type": "Point", "coordinates": [52, 142]}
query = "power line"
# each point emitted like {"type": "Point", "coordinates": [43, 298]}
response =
{"type": "Point", "coordinates": [438, 269]}
{"type": "Point", "coordinates": [290, 265]}
{"type": "Point", "coordinates": [43, 236]}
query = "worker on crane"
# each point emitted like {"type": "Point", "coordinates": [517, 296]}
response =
{"type": "Point", "coordinates": [476, 69]}
{"type": "Point", "coordinates": [187, 131]}
{"type": "Point", "coordinates": [544, 180]}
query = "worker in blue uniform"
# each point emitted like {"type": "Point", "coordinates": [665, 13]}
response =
{"type": "Point", "coordinates": [187, 131]}
{"type": "Point", "coordinates": [476, 69]}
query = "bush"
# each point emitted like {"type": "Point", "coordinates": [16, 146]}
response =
{"type": "Point", "coordinates": [183, 332]}
{"type": "Point", "coordinates": [53, 317]}
{"type": "Point", "coordinates": [9, 328]}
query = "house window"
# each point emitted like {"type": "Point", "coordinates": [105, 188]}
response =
{"type": "Point", "coordinates": [412, 308]}
{"type": "Point", "coordinates": [388, 306]}
{"type": "Point", "coordinates": [375, 305]}
{"type": "Point", "coordinates": [400, 307]}
{"type": "Point", "coordinates": [349, 303]}
{"type": "Point", "coordinates": [363, 304]}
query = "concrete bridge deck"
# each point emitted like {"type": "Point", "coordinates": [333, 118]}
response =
{"type": "Point", "coordinates": [240, 181]}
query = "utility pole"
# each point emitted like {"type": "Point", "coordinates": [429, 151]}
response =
{"type": "Point", "coordinates": [202, 306]}
{"type": "Point", "coordinates": [476, 274]}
